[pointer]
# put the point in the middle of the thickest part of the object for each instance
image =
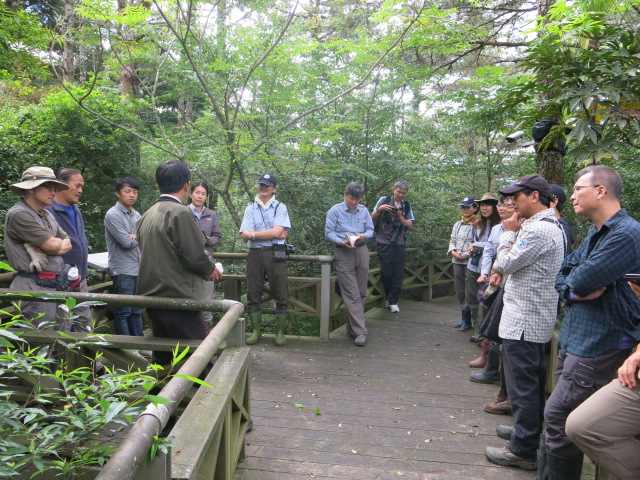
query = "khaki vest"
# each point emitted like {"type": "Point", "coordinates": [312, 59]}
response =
{"type": "Point", "coordinates": [17, 254]}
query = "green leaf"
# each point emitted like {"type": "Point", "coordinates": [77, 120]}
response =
{"type": "Point", "coordinates": [157, 400]}
{"type": "Point", "coordinates": [317, 411]}
{"type": "Point", "coordinates": [298, 405]}
{"type": "Point", "coordinates": [193, 379]}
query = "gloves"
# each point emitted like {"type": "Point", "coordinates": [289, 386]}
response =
{"type": "Point", "coordinates": [38, 259]}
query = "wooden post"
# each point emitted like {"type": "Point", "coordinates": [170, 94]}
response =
{"type": "Point", "coordinates": [325, 300]}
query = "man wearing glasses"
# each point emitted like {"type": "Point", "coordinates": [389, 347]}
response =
{"type": "Point", "coordinates": [600, 325]}
{"type": "Point", "coordinates": [35, 243]}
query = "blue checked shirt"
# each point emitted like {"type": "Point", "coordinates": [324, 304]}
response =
{"type": "Point", "coordinates": [593, 327]}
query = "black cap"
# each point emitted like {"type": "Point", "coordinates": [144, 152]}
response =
{"type": "Point", "coordinates": [468, 202]}
{"type": "Point", "coordinates": [558, 193]}
{"type": "Point", "coordinates": [532, 182]}
{"type": "Point", "coordinates": [269, 180]}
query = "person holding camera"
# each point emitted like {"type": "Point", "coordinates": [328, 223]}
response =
{"type": "Point", "coordinates": [349, 227]}
{"type": "Point", "coordinates": [207, 221]}
{"type": "Point", "coordinates": [480, 231]}
{"type": "Point", "coordinates": [392, 217]}
{"type": "Point", "coordinates": [265, 227]}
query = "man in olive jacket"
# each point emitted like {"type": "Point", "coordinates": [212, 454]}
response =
{"type": "Point", "coordinates": [173, 259]}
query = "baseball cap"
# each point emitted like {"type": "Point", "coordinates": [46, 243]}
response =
{"type": "Point", "coordinates": [558, 192]}
{"type": "Point", "coordinates": [532, 182]}
{"type": "Point", "coordinates": [268, 179]}
{"type": "Point", "coordinates": [468, 202]}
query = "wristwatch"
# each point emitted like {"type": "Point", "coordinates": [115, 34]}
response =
{"type": "Point", "coordinates": [253, 235]}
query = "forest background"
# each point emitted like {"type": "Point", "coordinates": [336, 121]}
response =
{"type": "Point", "coordinates": [319, 94]}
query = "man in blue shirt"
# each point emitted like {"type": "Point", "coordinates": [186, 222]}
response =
{"type": "Point", "coordinates": [66, 212]}
{"type": "Point", "coordinates": [265, 227]}
{"type": "Point", "coordinates": [600, 325]}
{"type": "Point", "coordinates": [349, 227]}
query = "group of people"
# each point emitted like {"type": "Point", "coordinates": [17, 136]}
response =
{"type": "Point", "coordinates": [168, 251]}
{"type": "Point", "coordinates": [528, 255]}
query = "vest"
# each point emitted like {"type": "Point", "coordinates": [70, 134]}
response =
{"type": "Point", "coordinates": [17, 254]}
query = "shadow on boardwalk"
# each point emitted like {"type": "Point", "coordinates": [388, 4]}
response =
{"type": "Point", "coordinates": [401, 407]}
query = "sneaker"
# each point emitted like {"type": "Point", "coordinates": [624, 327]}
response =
{"type": "Point", "coordinates": [350, 331]}
{"type": "Point", "coordinates": [394, 308]}
{"type": "Point", "coordinates": [360, 341]}
{"type": "Point", "coordinates": [504, 457]}
{"type": "Point", "coordinates": [504, 431]}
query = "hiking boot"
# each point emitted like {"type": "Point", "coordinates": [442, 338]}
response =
{"type": "Point", "coordinates": [394, 308]}
{"type": "Point", "coordinates": [504, 457]}
{"type": "Point", "coordinates": [350, 332]}
{"type": "Point", "coordinates": [499, 408]}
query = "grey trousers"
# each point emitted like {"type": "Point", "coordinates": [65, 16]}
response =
{"type": "Point", "coordinates": [459, 277]}
{"type": "Point", "coordinates": [472, 295]}
{"type": "Point", "coordinates": [209, 291]}
{"type": "Point", "coordinates": [605, 426]}
{"type": "Point", "coordinates": [352, 266]}
{"type": "Point", "coordinates": [577, 379]}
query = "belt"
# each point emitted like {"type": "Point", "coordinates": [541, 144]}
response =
{"type": "Point", "coordinates": [355, 246]}
{"type": "Point", "coordinates": [264, 249]}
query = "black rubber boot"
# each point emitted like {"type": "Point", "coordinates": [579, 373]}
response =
{"type": "Point", "coordinates": [563, 468]}
{"type": "Point", "coordinates": [491, 371]}
{"type": "Point", "coordinates": [543, 469]}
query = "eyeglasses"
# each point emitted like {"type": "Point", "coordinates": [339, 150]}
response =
{"type": "Point", "coordinates": [577, 188]}
{"type": "Point", "coordinates": [49, 188]}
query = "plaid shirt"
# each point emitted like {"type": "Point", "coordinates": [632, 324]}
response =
{"type": "Point", "coordinates": [531, 257]}
{"type": "Point", "coordinates": [591, 328]}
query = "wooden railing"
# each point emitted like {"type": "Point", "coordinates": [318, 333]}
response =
{"type": "Point", "coordinates": [209, 434]}
{"type": "Point", "coordinates": [318, 297]}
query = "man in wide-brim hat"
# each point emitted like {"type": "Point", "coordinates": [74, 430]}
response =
{"type": "Point", "coordinates": [34, 241]}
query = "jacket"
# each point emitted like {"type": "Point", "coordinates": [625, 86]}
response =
{"type": "Point", "coordinates": [173, 259]}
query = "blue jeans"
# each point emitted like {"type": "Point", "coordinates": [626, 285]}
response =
{"type": "Point", "coordinates": [128, 319]}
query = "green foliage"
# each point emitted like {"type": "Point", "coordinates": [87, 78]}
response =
{"type": "Point", "coordinates": [586, 67]}
{"type": "Point", "coordinates": [63, 416]}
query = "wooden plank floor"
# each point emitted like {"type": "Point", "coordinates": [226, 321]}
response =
{"type": "Point", "coordinates": [401, 407]}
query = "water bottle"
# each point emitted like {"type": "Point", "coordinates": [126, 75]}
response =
{"type": "Point", "coordinates": [73, 273]}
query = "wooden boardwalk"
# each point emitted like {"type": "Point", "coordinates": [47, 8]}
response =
{"type": "Point", "coordinates": [401, 407]}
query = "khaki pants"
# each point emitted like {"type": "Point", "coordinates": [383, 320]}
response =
{"type": "Point", "coordinates": [352, 266]}
{"type": "Point", "coordinates": [261, 268]}
{"type": "Point", "coordinates": [605, 427]}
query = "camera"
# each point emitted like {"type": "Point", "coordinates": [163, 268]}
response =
{"type": "Point", "coordinates": [515, 136]}
{"type": "Point", "coordinates": [394, 209]}
{"type": "Point", "coordinates": [475, 255]}
{"type": "Point", "coordinates": [289, 249]}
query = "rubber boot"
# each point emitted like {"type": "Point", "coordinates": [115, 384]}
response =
{"type": "Point", "coordinates": [466, 320]}
{"type": "Point", "coordinates": [543, 469]}
{"type": "Point", "coordinates": [491, 371]}
{"type": "Point", "coordinates": [281, 323]}
{"type": "Point", "coordinates": [461, 322]}
{"type": "Point", "coordinates": [256, 325]}
{"type": "Point", "coordinates": [481, 361]}
{"type": "Point", "coordinates": [560, 467]}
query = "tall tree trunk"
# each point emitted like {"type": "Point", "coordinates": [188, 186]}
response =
{"type": "Point", "coordinates": [549, 163]}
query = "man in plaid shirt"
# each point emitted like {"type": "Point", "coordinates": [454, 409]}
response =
{"type": "Point", "coordinates": [600, 325]}
{"type": "Point", "coordinates": [530, 253]}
